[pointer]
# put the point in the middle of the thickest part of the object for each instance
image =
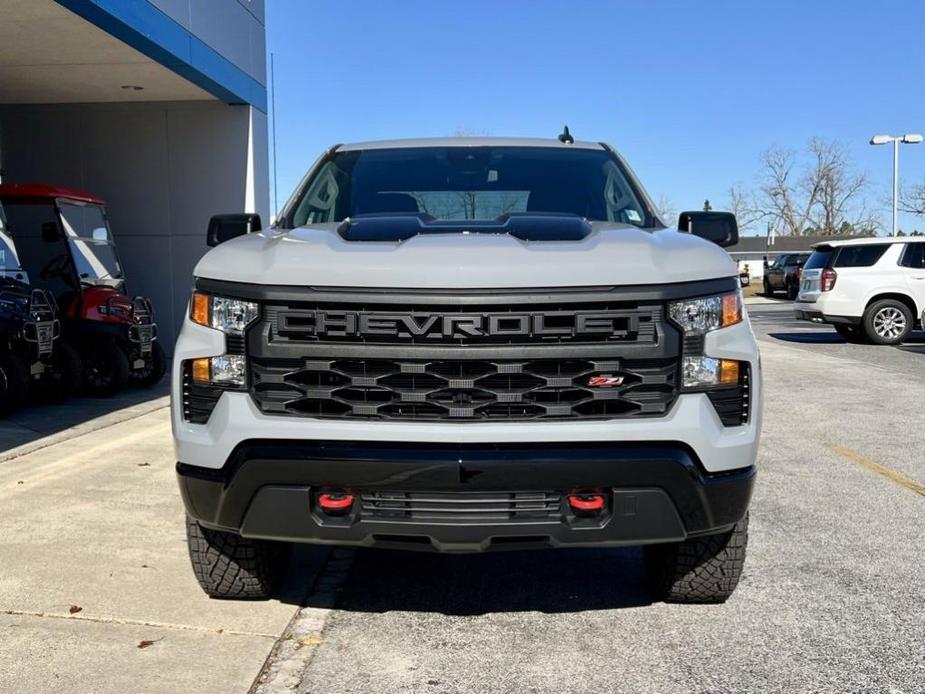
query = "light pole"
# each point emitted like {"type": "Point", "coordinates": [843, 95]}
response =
{"type": "Point", "coordinates": [907, 139]}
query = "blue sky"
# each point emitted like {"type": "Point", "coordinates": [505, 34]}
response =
{"type": "Point", "coordinates": [690, 92]}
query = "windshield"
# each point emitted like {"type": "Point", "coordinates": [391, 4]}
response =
{"type": "Point", "coordinates": [469, 183]}
{"type": "Point", "coordinates": [9, 261]}
{"type": "Point", "coordinates": [91, 243]}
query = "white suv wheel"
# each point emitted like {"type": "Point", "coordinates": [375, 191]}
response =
{"type": "Point", "coordinates": [887, 322]}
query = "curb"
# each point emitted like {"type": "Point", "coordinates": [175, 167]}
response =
{"type": "Point", "coordinates": [282, 672]}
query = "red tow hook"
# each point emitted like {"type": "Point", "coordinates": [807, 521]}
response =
{"type": "Point", "coordinates": [587, 503]}
{"type": "Point", "coordinates": [335, 502]}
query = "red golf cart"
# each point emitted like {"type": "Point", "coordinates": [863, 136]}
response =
{"type": "Point", "coordinates": [66, 247]}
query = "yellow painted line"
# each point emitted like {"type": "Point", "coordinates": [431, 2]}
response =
{"type": "Point", "coordinates": [889, 473]}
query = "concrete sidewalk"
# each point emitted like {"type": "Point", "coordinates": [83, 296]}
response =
{"type": "Point", "coordinates": [95, 522]}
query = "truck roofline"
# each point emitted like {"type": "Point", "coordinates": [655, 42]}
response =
{"type": "Point", "coordinates": [468, 142]}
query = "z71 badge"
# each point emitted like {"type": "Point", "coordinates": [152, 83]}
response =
{"type": "Point", "coordinates": [605, 381]}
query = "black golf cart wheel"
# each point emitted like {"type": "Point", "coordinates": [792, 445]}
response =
{"type": "Point", "coordinates": [14, 382]}
{"type": "Point", "coordinates": [64, 376]}
{"type": "Point", "coordinates": [105, 368]}
{"type": "Point", "coordinates": [153, 370]}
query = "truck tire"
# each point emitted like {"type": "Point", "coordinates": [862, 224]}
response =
{"type": "Point", "coordinates": [767, 287]}
{"type": "Point", "coordinates": [14, 382]}
{"type": "Point", "coordinates": [700, 570]}
{"type": "Point", "coordinates": [792, 291]}
{"type": "Point", "coordinates": [227, 565]}
{"type": "Point", "coordinates": [153, 371]}
{"type": "Point", "coordinates": [887, 322]}
{"type": "Point", "coordinates": [105, 368]}
{"type": "Point", "coordinates": [64, 378]}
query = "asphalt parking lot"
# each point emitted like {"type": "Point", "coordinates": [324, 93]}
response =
{"type": "Point", "coordinates": [832, 599]}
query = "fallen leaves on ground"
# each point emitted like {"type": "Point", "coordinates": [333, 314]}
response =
{"type": "Point", "coordinates": [146, 643]}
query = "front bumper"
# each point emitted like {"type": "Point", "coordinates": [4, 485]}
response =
{"type": "Point", "coordinates": [656, 492]}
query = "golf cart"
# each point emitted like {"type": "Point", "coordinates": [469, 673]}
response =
{"type": "Point", "coordinates": [32, 358]}
{"type": "Point", "coordinates": [65, 244]}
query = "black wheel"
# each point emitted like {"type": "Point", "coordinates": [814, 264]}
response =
{"type": "Point", "coordinates": [851, 333]}
{"type": "Point", "coordinates": [105, 368]}
{"type": "Point", "coordinates": [64, 376]}
{"type": "Point", "coordinates": [767, 287]}
{"type": "Point", "coordinates": [153, 370]}
{"type": "Point", "coordinates": [792, 291]}
{"type": "Point", "coordinates": [700, 570]}
{"type": "Point", "coordinates": [227, 565]}
{"type": "Point", "coordinates": [14, 382]}
{"type": "Point", "coordinates": [887, 322]}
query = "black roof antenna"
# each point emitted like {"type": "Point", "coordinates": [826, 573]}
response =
{"type": "Point", "coordinates": [566, 137]}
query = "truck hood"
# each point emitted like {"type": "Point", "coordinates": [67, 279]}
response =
{"type": "Point", "coordinates": [610, 255]}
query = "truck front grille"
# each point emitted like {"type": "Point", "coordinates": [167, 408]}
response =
{"type": "Point", "coordinates": [462, 389]}
{"type": "Point", "coordinates": [537, 356]}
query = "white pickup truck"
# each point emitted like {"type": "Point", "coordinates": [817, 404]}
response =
{"type": "Point", "coordinates": [464, 345]}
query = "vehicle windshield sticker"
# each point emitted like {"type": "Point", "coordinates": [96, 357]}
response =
{"type": "Point", "coordinates": [633, 216]}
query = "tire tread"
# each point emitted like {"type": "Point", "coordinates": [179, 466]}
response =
{"type": "Point", "coordinates": [227, 565]}
{"type": "Point", "coordinates": [700, 570]}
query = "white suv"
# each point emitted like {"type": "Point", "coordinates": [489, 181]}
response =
{"type": "Point", "coordinates": [868, 288]}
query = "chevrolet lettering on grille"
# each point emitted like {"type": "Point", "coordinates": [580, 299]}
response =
{"type": "Point", "coordinates": [438, 326]}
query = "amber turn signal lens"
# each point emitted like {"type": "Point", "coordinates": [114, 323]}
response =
{"type": "Point", "coordinates": [202, 372]}
{"type": "Point", "coordinates": [728, 372]}
{"type": "Point", "coordinates": [732, 309]}
{"type": "Point", "coordinates": [199, 309]}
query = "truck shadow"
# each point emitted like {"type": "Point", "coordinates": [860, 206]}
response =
{"type": "Point", "coordinates": [911, 344]}
{"type": "Point", "coordinates": [36, 420]}
{"type": "Point", "coordinates": [557, 581]}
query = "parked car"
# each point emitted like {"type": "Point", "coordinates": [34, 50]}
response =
{"type": "Point", "coordinates": [66, 246]}
{"type": "Point", "coordinates": [870, 289]}
{"type": "Point", "coordinates": [783, 275]}
{"type": "Point", "coordinates": [465, 345]}
{"type": "Point", "coordinates": [33, 360]}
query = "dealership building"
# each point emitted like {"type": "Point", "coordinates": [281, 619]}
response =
{"type": "Point", "coordinates": [156, 106]}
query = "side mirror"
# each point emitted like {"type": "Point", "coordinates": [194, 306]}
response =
{"type": "Point", "coordinates": [51, 232]}
{"type": "Point", "coordinates": [719, 227]}
{"type": "Point", "coordinates": [223, 227]}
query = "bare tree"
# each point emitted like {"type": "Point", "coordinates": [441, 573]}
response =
{"type": "Point", "coordinates": [912, 200]}
{"type": "Point", "coordinates": [839, 188]}
{"type": "Point", "coordinates": [823, 196]}
{"type": "Point", "coordinates": [666, 210]}
{"type": "Point", "coordinates": [742, 204]}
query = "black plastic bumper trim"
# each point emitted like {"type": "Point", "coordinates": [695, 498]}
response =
{"type": "Point", "coordinates": [265, 490]}
{"type": "Point", "coordinates": [826, 318]}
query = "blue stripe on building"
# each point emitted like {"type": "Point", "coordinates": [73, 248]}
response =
{"type": "Point", "coordinates": [144, 27]}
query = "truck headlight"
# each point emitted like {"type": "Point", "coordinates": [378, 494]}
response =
{"type": "Point", "coordinates": [697, 317]}
{"type": "Point", "coordinates": [226, 370]}
{"type": "Point", "coordinates": [703, 372]}
{"type": "Point", "coordinates": [231, 316]}
{"type": "Point", "coordinates": [700, 316]}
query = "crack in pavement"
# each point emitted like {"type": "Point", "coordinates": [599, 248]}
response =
{"type": "Point", "coordinates": [137, 622]}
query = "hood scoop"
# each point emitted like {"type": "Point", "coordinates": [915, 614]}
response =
{"type": "Point", "coordinates": [530, 226]}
